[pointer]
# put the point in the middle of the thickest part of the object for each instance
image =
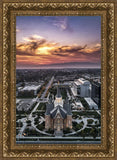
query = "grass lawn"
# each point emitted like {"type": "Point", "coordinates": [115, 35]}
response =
{"type": "Point", "coordinates": [42, 106]}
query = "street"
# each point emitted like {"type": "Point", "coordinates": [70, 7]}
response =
{"type": "Point", "coordinates": [47, 87]}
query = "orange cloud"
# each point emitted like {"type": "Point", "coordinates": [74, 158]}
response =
{"type": "Point", "coordinates": [38, 51]}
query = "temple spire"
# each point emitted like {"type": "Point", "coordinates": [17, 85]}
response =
{"type": "Point", "coordinates": [58, 91]}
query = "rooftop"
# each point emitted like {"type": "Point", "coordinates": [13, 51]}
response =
{"type": "Point", "coordinates": [91, 103]}
{"type": "Point", "coordinates": [29, 87]}
{"type": "Point", "coordinates": [59, 110]}
{"type": "Point", "coordinates": [79, 104]}
{"type": "Point", "coordinates": [81, 81]}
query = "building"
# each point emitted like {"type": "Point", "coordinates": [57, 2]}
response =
{"type": "Point", "coordinates": [82, 88]}
{"type": "Point", "coordinates": [28, 90]}
{"type": "Point", "coordinates": [25, 105]}
{"type": "Point", "coordinates": [91, 103]}
{"type": "Point", "coordinates": [58, 114]}
{"type": "Point", "coordinates": [96, 93]}
{"type": "Point", "coordinates": [78, 105]}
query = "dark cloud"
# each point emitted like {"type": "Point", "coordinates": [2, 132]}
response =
{"type": "Point", "coordinates": [23, 53]}
{"type": "Point", "coordinates": [30, 46]}
{"type": "Point", "coordinates": [34, 45]}
{"type": "Point", "coordinates": [76, 51]}
{"type": "Point", "coordinates": [67, 50]}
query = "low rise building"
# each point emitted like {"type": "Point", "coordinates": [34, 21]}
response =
{"type": "Point", "coordinates": [28, 90]}
{"type": "Point", "coordinates": [91, 103]}
{"type": "Point", "coordinates": [25, 105]}
{"type": "Point", "coordinates": [79, 105]}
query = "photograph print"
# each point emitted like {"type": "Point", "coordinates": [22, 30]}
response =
{"type": "Point", "coordinates": [58, 79]}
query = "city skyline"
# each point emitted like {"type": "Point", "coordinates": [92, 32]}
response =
{"type": "Point", "coordinates": [58, 42]}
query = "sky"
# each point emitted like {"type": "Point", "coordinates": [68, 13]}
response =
{"type": "Point", "coordinates": [58, 42]}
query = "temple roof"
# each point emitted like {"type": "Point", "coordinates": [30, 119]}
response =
{"type": "Point", "coordinates": [49, 107]}
{"type": "Point", "coordinates": [67, 107]}
{"type": "Point", "coordinates": [58, 110]}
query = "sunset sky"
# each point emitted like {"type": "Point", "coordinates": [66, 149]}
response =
{"type": "Point", "coordinates": [58, 41]}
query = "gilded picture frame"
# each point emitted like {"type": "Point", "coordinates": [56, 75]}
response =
{"type": "Point", "coordinates": [107, 10]}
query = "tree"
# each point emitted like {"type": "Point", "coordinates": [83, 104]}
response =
{"type": "Point", "coordinates": [51, 131]}
{"type": "Point", "coordinates": [28, 123]}
{"type": "Point", "coordinates": [83, 134]}
{"type": "Point", "coordinates": [94, 132]}
{"type": "Point", "coordinates": [67, 130]}
{"type": "Point", "coordinates": [90, 121]}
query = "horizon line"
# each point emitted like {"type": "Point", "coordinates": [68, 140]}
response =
{"type": "Point", "coordinates": [64, 68]}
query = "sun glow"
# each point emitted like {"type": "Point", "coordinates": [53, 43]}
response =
{"type": "Point", "coordinates": [44, 50]}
